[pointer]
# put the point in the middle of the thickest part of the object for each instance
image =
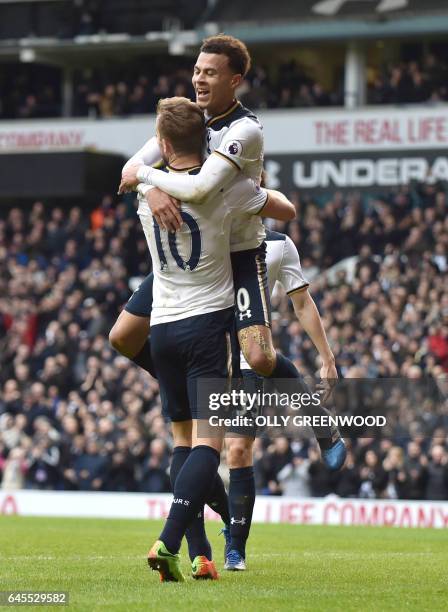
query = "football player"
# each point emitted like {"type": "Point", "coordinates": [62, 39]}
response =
{"type": "Point", "coordinates": [192, 318]}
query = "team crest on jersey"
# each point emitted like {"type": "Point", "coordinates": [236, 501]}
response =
{"type": "Point", "coordinates": [234, 148]}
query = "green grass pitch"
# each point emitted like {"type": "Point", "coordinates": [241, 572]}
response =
{"type": "Point", "coordinates": [102, 563]}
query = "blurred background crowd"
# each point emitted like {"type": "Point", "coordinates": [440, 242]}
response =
{"type": "Point", "coordinates": [29, 92]}
{"type": "Point", "coordinates": [410, 82]}
{"type": "Point", "coordinates": [75, 415]}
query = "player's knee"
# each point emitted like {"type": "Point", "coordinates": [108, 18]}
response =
{"type": "Point", "coordinates": [261, 361]}
{"type": "Point", "coordinates": [182, 433]}
{"type": "Point", "coordinates": [118, 340]}
{"type": "Point", "coordinates": [239, 453]}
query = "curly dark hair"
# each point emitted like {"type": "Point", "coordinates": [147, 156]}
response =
{"type": "Point", "coordinates": [233, 48]}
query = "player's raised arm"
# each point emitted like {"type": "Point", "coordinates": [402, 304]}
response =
{"type": "Point", "coordinates": [296, 286]}
{"type": "Point", "coordinates": [309, 317]}
{"type": "Point", "coordinates": [214, 175]}
{"type": "Point", "coordinates": [244, 143]}
{"type": "Point", "coordinates": [148, 155]}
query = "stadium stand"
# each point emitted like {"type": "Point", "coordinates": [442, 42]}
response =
{"type": "Point", "coordinates": [74, 415]}
{"type": "Point", "coordinates": [132, 89]}
{"type": "Point", "coordinates": [410, 82]}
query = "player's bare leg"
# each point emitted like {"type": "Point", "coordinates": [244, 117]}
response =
{"type": "Point", "coordinates": [129, 333]}
{"type": "Point", "coordinates": [182, 433]}
{"type": "Point", "coordinates": [239, 452]}
{"type": "Point", "coordinates": [129, 336]}
{"type": "Point", "coordinates": [257, 348]}
{"type": "Point", "coordinates": [203, 435]}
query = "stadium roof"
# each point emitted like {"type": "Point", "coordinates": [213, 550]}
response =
{"type": "Point", "coordinates": [284, 21]}
{"type": "Point", "coordinates": [324, 10]}
{"type": "Point", "coordinates": [329, 19]}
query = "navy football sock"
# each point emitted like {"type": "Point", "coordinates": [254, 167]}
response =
{"type": "Point", "coordinates": [284, 368]}
{"type": "Point", "coordinates": [197, 540]}
{"type": "Point", "coordinates": [218, 501]}
{"type": "Point", "coordinates": [180, 455]}
{"type": "Point", "coordinates": [241, 503]}
{"type": "Point", "coordinates": [144, 359]}
{"type": "Point", "coordinates": [194, 480]}
{"type": "Point", "coordinates": [198, 543]}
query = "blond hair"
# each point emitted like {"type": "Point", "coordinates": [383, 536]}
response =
{"type": "Point", "coordinates": [181, 122]}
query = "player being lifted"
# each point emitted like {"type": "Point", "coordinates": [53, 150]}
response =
{"type": "Point", "coordinates": [191, 320]}
{"type": "Point", "coordinates": [235, 138]}
{"type": "Point", "coordinates": [283, 265]}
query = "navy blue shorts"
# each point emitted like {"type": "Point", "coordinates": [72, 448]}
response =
{"type": "Point", "coordinates": [187, 350]}
{"type": "Point", "coordinates": [250, 279]}
{"type": "Point", "coordinates": [252, 303]}
{"type": "Point", "coordinates": [140, 302]}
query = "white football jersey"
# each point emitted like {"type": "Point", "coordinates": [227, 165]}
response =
{"type": "Point", "coordinates": [283, 263]}
{"type": "Point", "coordinates": [237, 135]}
{"type": "Point", "coordinates": [192, 267]}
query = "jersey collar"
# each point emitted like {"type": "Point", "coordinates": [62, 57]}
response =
{"type": "Point", "coordinates": [190, 170]}
{"type": "Point", "coordinates": [235, 104]}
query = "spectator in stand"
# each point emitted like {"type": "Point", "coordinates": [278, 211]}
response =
{"type": "Point", "coordinates": [277, 456]}
{"type": "Point", "coordinates": [321, 478]}
{"type": "Point", "coordinates": [294, 478]}
{"type": "Point", "coordinates": [91, 467]}
{"type": "Point", "coordinates": [394, 466]}
{"type": "Point", "coordinates": [372, 476]}
{"type": "Point", "coordinates": [348, 480]}
{"type": "Point", "coordinates": [43, 464]}
{"type": "Point", "coordinates": [437, 474]}
{"type": "Point", "coordinates": [415, 471]}
{"type": "Point", "coordinates": [155, 476]}
{"type": "Point", "coordinates": [14, 469]}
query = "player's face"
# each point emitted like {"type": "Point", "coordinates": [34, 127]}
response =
{"type": "Point", "coordinates": [214, 82]}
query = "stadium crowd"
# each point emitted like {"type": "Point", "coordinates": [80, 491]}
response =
{"type": "Point", "coordinates": [133, 90]}
{"type": "Point", "coordinates": [410, 82]}
{"type": "Point", "coordinates": [75, 415]}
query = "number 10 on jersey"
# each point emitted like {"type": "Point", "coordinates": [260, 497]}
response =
{"type": "Point", "coordinates": [196, 245]}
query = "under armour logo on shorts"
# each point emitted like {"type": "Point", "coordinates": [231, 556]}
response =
{"type": "Point", "coordinates": [247, 314]}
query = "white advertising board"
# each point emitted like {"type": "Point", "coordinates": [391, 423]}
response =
{"type": "Point", "coordinates": [301, 511]}
{"type": "Point", "coordinates": [286, 131]}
